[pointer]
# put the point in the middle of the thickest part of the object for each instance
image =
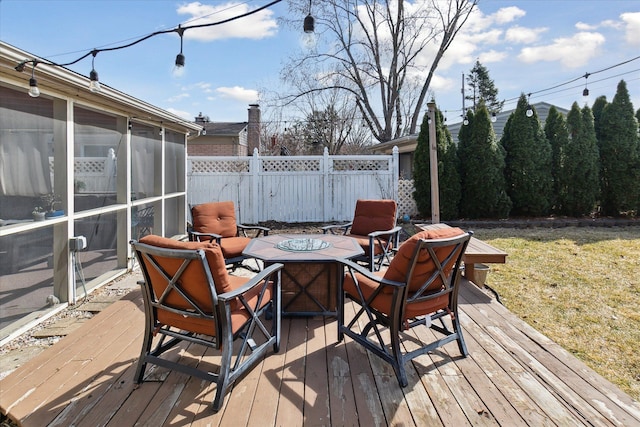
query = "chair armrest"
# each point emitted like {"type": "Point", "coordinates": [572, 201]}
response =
{"type": "Point", "coordinates": [333, 228]}
{"type": "Point", "coordinates": [243, 228]}
{"type": "Point", "coordinates": [211, 236]}
{"type": "Point", "coordinates": [357, 268]}
{"type": "Point", "coordinates": [394, 230]}
{"type": "Point", "coordinates": [255, 281]}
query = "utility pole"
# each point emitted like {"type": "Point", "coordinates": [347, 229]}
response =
{"type": "Point", "coordinates": [464, 111]}
{"type": "Point", "coordinates": [433, 164]}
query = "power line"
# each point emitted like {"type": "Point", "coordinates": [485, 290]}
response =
{"type": "Point", "coordinates": [179, 29]}
{"type": "Point", "coordinates": [585, 76]}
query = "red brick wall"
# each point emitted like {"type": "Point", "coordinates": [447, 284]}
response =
{"type": "Point", "coordinates": [216, 150]}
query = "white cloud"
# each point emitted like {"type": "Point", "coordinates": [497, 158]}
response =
{"type": "Point", "coordinates": [202, 87]}
{"type": "Point", "coordinates": [184, 114]}
{"type": "Point", "coordinates": [478, 21]}
{"type": "Point", "coordinates": [632, 27]}
{"type": "Point", "coordinates": [238, 93]}
{"type": "Point", "coordinates": [607, 23]}
{"type": "Point", "coordinates": [179, 97]}
{"type": "Point", "coordinates": [492, 56]}
{"type": "Point", "coordinates": [571, 52]}
{"type": "Point", "coordinates": [508, 14]}
{"type": "Point", "coordinates": [257, 26]}
{"type": "Point", "coordinates": [523, 35]}
{"type": "Point", "coordinates": [582, 26]}
{"type": "Point", "coordinates": [443, 84]}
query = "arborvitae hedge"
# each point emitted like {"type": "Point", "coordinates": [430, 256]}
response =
{"type": "Point", "coordinates": [619, 157]}
{"type": "Point", "coordinates": [527, 163]}
{"type": "Point", "coordinates": [581, 170]}
{"type": "Point", "coordinates": [482, 169]}
{"type": "Point", "coordinates": [555, 129]}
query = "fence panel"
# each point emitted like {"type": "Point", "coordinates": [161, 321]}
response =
{"type": "Point", "coordinates": [293, 188]}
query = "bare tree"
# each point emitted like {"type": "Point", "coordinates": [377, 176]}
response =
{"type": "Point", "coordinates": [374, 53]}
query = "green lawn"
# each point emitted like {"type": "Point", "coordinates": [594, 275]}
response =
{"type": "Point", "coordinates": [580, 286]}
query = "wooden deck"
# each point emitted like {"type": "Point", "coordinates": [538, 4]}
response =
{"type": "Point", "coordinates": [513, 376]}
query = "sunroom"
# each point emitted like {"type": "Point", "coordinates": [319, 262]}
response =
{"type": "Point", "coordinates": [81, 173]}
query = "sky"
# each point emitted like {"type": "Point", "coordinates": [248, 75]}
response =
{"type": "Point", "coordinates": [528, 46]}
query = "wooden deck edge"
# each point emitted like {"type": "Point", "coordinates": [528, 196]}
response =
{"type": "Point", "coordinates": [609, 392]}
{"type": "Point", "coordinates": [25, 377]}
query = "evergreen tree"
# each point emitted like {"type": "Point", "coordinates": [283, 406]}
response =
{"type": "Point", "coordinates": [482, 169]}
{"type": "Point", "coordinates": [555, 129]}
{"type": "Point", "coordinates": [620, 176]}
{"type": "Point", "coordinates": [598, 106]}
{"type": "Point", "coordinates": [448, 171]}
{"type": "Point", "coordinates": [483, 89]}
{"type": "Point", "coordinates": [527, 162]}
{"type": "Point", "coordinates": [581, 164]}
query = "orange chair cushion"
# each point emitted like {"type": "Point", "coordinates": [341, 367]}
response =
{"type": "Point", "coordinates": [399, 266]}
{"type": "Point", "coordinates": [215, 217]}
{"type": "Point", "coordinates": [233, 246]}
{"type": "Point", "coordinates": [383, 300]}
{"type": "Point", "coordinates": [239, 315]}
{"type": "Point", "coordinates": [373, 215]}
{"type": "Point", "coordinates": [214, 256]}
{"type": "Point", "coordinates": [200, 292]}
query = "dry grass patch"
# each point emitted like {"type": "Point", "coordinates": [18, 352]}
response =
{"type": "Point", "coordinates": [580, 286]}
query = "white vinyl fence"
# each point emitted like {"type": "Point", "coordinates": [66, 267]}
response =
{"type": "Point", "coordinates": [293, 188]}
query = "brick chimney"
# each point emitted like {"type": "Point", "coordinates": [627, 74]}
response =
{"type": "Point", "coordinates": [253, 131]}
{"type": "Point", "coordinates": [201, 120]}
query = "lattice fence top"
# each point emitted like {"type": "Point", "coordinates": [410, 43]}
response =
{"type": "Point", "coordinates": [219, 166]}
{"type": "Point", "coordinates": [89, 165]}
{"type": "Point", "coordinates": [406, 204]}
{"type": "Point", "coordinates": [291, 165]}
{"type": "Point", "coordinates": [360, 165]}
{"type": "Point", "coordinates": [85, 165]}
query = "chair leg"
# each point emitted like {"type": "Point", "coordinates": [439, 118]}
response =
{"type": "Point", "coordinates": [144, 351]}
{"type": "Point", "coordinates": [398, 359]}
{"type": "Point", "coordinates": [458, 330]}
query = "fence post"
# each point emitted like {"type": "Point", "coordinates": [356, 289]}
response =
{"type": "Point", "coordinates": [327, 188]}
{"type": "Point", "coordinates": [254, 176]}
{"type": "Point", "coordinates": [395, 172]}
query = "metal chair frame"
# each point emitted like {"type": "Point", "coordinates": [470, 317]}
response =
{"type": "Point", "coordinates": [222, 338]}
{"type": "Point", "coordinates": [371, 335]}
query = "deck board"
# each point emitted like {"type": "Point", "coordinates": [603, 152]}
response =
{"type": "Point", "coordinates": [514, 375]}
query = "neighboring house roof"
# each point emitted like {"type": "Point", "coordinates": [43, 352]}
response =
{"type": "Point", "coordinates": [407, 144]}
{"type": "Point", "coordinates": [224, 128]}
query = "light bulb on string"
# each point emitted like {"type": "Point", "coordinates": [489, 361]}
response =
{"type": "Point", "coordinates": [529, 112]}
{"type": "Point", "coordinates": [34, 92]}
{"type": "Point", "coordinates": [178, 69]}
{"type": "Point", "coordinates": [309, 23]}
{"type": "Point", "coordinates": [494, 117]}
{"type": "Point", "coordinates": [585, 92]}
{"type": "Point", "coordinates": [94, 83]}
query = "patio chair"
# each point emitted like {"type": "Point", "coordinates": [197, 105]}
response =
{"type": "Point", "coordinates": [373, 226]}
{"type": "Point", "coordinates": [216, 222]}
{"type": "Point", "coordinates": [189, 297]}
{"type": "Point", "coordinates": [420, 287]}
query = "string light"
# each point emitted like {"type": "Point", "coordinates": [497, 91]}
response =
{"type": "Point", "coordinates": [178, 70]}
{"type": "Point", "coordinates": [309, 22]}
{"type": "Point", "coordinates": [585, 92]}
{"type": "Point", "coordinates": [34, 92]}
{"type": "Point", "coordinates": [529, 112]}
{"type": "Point", "coordinates": [33, 85]}
{"type": "Point", "coordinates": [94, 83]}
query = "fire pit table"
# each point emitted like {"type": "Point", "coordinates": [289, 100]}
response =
{"type": "Point", "coordinates": [311, 277]}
